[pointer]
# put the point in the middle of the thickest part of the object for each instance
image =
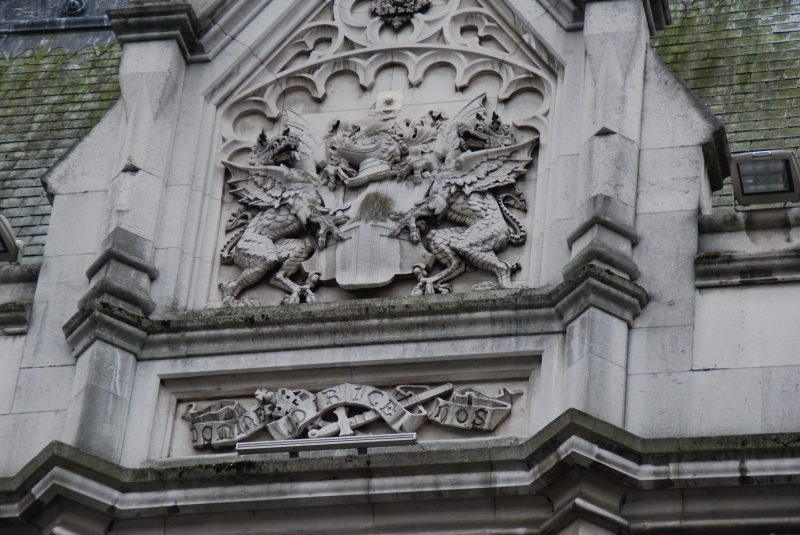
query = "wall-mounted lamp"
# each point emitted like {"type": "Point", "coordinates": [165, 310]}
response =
{"type": "Point", "coordinates": [10, 246]}
{"type": "Point", "coordinates": [765, 177]}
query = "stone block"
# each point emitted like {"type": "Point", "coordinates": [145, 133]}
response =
{"type": "Point", "coordinates": [95, 422]}
{"type": "Point", "coordinates": [609, 165]}
{"type": "Point", "coordinates": [10, 357]}
{"type": "Point", "coordinates": [133, 203]}
{"type": "Point", "coordinates": [599, 334]}
{"type": "Point", "coordinates": [46, 344]}
{"type": "Point", "coordinates": [43, 389]}
{"type": "Point", "coordinates": [561, 201]}
{"type": "Point", "coordinates": [169, 232]}
{"type": "Point", "coordinates": [666, 262]}
{"type": "Point", "coordinates": [155, 65]}
{"type": "Point", "coordinates": [76, 224]}
{"type": "Point", "coordinates": [780, 409]}
{"type": "Point", "coordinates": [62, 282]}
{"type": "Point", "coordinates": [671, 115]}
{"type": "Point", "coordinates": [670, 179]}
{"type": "Point", "coordinates": [698, 403]}
{"type": "Point", "coordinates": [746, 326]}
{"type": "Point", "coordinates": [596, 386]}
{"type": "Point", "coordinates": [26, 434]}
{"type": "Point", "coordinates": [107, 367]}
{"type": "Point", "coordinates": [555, 251]}
{"type": "Point", "coordinates": [163, 290]}
{"type": "Point", "coordinates": [88, 165]}
{"type": "Point", "coordinates": [660, 349]}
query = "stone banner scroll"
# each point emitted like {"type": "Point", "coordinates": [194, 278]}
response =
{"type": "Point", "coordinates": [224, 423]}
{"type": "Point", "coordinates": [338, 410]}
{"type": "Point", "coordinates": [470, 408]}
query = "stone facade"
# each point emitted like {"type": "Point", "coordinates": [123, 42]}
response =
{"type": "Point", "coordinates": [399, 267]}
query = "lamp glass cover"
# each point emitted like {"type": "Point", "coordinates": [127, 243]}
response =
{"type": "Point", "coordinates": [765, 176]}
{"type": "Point", "coordinates": [3, 246]}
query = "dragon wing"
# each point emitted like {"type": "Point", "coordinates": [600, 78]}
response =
{"type": "Point", "coordinates": [491, 168]}
{"type": "Point", "coordinates": [449, 138]}
{"type": "Point", "coordinates": [248, 192]}
{"type": "Point", "coordinates": [312, 153]}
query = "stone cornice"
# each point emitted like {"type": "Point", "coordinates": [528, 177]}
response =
{"type": "Point", "coordinates": [364, 321]}
{"type": "Point", "coordinates": [574, 443]}
{"type": "Point", "coordinates": [19, 273]}
{"type": "Point", "coordinates": [157, 21]}
{"type": "Point", "coordinates": [569, 13]}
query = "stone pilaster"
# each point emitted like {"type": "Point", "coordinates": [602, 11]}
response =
{"type": "Point", "coordinates": [616, 38]}
{"type": "Point", "coordinates": [151, 76]}
{"type": "Point", "coordinates": [598, 316]}
{"type": "Point", "coordinates": [598, 313]}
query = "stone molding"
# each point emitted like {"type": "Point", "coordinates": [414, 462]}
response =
{"type": "Point", "coordinates": [717, 155]}
{"type": "Point", "coordinates": [366, 321]}
{"type": "Point", "coordinates": [569, 13]}
{"type": "Point", "coordinates": [575, 451]}
{"type": "Point", "coordinates": [20, 273]}
{"type": "Point", "coordinates": [599, 251]}
{"type": "Point", "coordinates": [608, 212]}
{"type": "Point", "coordinates": [751, 220]}
{"type": "Point", "coordinates": [14, 318]}
{"type": "Point", "coordinates": [157, 21]}
{"type": "Point", "coordinates": [94, 325]}
{"type": "Point", "coordinates": [624, 301]}
{"type": "Point", "coordinates": [128, 248]}
{"type": "Point", "coordinates": [732, 269]}
{"type": "Point", "coordinates": [123, 270]}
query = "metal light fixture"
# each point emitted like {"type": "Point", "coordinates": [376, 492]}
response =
{"type": "Point", "coordinates": [10, 246]}
{"type": "Point", "coordinates": [765, 177]}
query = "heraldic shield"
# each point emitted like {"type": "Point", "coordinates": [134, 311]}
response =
{"type": "Point", "coordinates": [368, 255]}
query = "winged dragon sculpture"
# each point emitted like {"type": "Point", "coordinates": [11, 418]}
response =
{"type": "Point", "coordinates": [295, 187]}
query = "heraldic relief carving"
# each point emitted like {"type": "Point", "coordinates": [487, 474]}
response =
{"type": "Point", "coordinates": [359, 201]}
{"type": "Point", "coordinates": [339, 410]}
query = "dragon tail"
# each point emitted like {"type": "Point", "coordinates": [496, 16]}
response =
{"type": "Point", "coordinates": [226, 254]}
{"type": "Point", "coordinates": [519, 235]}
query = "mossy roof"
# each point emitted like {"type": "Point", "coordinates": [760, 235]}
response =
{"type": "Point", "coordinates": [48, 101]}
{"type": "Point", "coordinates": [742, 58]}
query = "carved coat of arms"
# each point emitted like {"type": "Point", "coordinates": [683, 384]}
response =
{"type": "Point", "coordinates": [364, 204]}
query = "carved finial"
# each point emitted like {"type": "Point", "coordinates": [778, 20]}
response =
{"type": "Point", "coordinates": [398, 12]}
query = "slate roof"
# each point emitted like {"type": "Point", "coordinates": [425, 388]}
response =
{"type": "Point", "coordinates": [48, 101]}
{"type": "Point", "coordinates": [742, 58]}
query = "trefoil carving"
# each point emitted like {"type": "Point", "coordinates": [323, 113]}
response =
{"type": "Point", "coordinates": [340, 410]}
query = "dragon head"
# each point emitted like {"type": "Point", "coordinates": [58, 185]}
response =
{"type": "Point", "coordinates": [479, 133]}
{"type": "Point", "coordinates": [281, 150]}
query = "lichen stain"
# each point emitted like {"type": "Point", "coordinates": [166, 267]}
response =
{"type": "Point", "coordinates": [375, 207]}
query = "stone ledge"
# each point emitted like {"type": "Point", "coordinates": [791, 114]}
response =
{"type": "Point", "coordinates": [573, 443]}
{"type": "Point", "coordinates": [750, 220]}
{"type": "Point", "coordinates": [365, 321]}
{"type": "Point", "coordinates": [732, 269]}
